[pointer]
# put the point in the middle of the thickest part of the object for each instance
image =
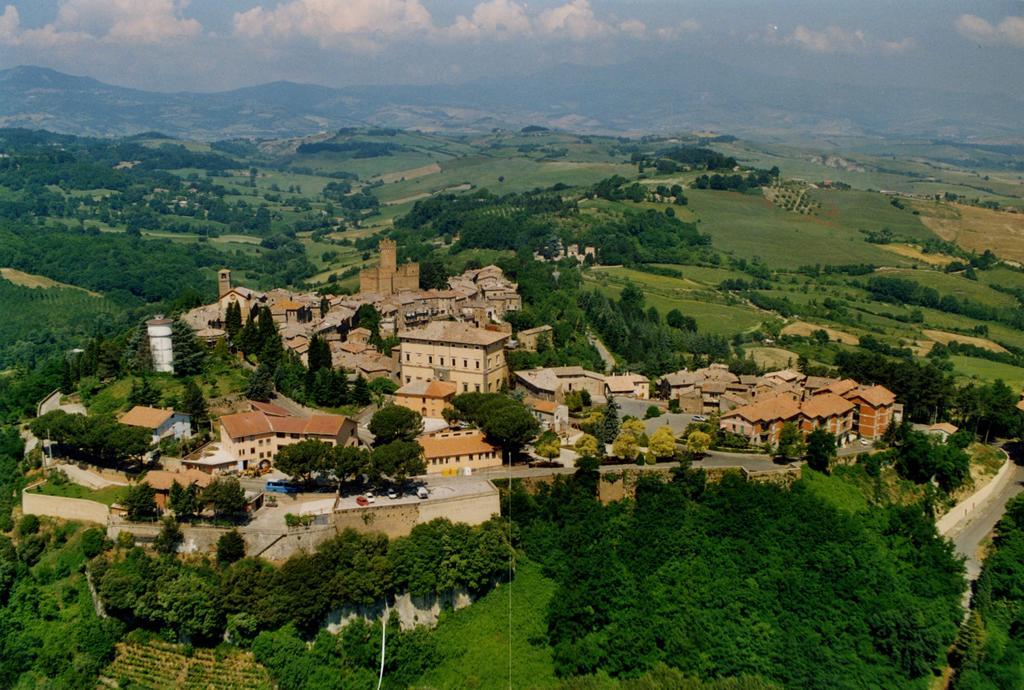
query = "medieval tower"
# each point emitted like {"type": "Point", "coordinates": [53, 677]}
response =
{"type": "Point", "coordinates": [223, 282]}
{"type": "Point", "coordinates": [388, 278]}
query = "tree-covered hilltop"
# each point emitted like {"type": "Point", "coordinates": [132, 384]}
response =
{"type": "Point", "coordinates": [741, 578]}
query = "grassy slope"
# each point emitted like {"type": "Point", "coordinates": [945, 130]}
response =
{"type": "Point", "coordinates": [476, 639]}
{"type": "Point", "coordinates": [749, 226]}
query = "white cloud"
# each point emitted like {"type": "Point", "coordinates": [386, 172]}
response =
{"type": "Point", "coordinates": [356, 22]}
{"type": "Point", "coordinates": [501, 18]}
{"type": "Point", "coordinates": [633, 27]}
{"type": "Point", "coordinates": [114, 21]}
{"type": "Point", "coordinates": [834, 40]}
{"type": "Point", "coordinates": [831, 39]}
{"type": "Point", "coordinates": [1009, 32]}
{"type": "Point", "coordinates": [671, 33]}
{"type": "Point", "coordinates": [10, 24]}
{"type": "Point", "coordinates": [574, 20]}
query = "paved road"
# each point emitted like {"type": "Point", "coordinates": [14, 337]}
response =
{"type": "Point", "coordinates": [970, 532]}
{"type": "Point", "coordinates": [606, 356]}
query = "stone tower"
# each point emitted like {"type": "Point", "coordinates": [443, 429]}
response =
{"type": "Point", "coordinates": [223, 282]}
{"type": "Point", "coordinates": [388, 257]}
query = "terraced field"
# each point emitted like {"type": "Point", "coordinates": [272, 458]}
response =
{"type": "Point", "coordinates": [159, 665]}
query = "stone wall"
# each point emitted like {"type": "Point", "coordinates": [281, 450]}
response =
{"type": "Point", "coordinates": [78, 509]}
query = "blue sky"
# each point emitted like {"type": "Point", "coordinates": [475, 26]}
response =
{"type": "Point", "coordinates": [219, 44]}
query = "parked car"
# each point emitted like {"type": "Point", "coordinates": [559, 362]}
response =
{"type": "Point", "coordinates": [699, 418]}
{"type": "Point", "coordinates": [865, 442]}
{"type": "Point", "coordinates": [362, 501]}
{"type": "Point", "coordinates": [392, 494]}
{"type": "Point", "coordinates": [370, 497]}
{"type": "Point", "coordinates": [422, 492]}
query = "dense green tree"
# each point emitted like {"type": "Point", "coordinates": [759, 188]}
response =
{"type": "Point", "coordinates": [230, 548]}
{"type": "Point", "coordinates": [821, 450]}
{"type": "Point", "coordinates": [395, 423]}
{"type": "Point", "coordinates": [261, 384]}
{"type": "Point", "coordinates": [183, 500]}
{"type": "Point", "coordinates": [193, 403]}
{"type": "Point", "coordinates": [233, 321]}
{"type": "Point", "coordinates": [303, 459]}
{"type": "Point", "coordinates": [143, 392]}
{"type": "Point", "coordinates": [791, 441]}
{"type": "Point", "coordinates": [140, 502]}
{"type": "Point", "coordinates": [169, 537]}
{"type": "Point", "coordinates": [397, 461]}
{"type": "Point", "coordinates": [226, 496]}
{"type": "Point", "coordinates": [610, 421]}
{"type": "Point", "coordinates": [347, 462]}
{"type": "Point", "coordinates": [189, 353]}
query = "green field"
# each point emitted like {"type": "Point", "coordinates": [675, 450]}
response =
{"type": "Point", "coordinates": [986, 370]}
{"type": "Point", "coordinates": [107, 495]}
{"type": "Point", "coordinates": [25, 308]}
{"type": "Point", "coordinates": [477, 643]}
{"type": "Point", "coordinates": [956, 285]}
{"type": "Point", "coordinates": [749, 226]}
{"type": "Point", "coordinates": [665, 293]}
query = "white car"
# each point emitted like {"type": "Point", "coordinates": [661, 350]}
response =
{"type": "Point", "coordinates": [698, 418]}
{"type": "Point", "coordinates": [865, 442]}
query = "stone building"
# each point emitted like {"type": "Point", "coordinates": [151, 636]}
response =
{"type": "Point", "coordinates": [471, 358]}
{"type": "Point", "coordinates": [388, 278]}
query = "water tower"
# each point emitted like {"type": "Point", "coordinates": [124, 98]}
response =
{"type": "Point", "coordinates": [160, 348]}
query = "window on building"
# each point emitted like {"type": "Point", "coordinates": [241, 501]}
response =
{"type": "Point", "coordinates": [430, 359]}
{"type": "Point", "coordinates": [478, 364]}
{"type": "Point", "coordinates": [465, 364]}
{"type": "Point", "coordinates": [477, 387]}
{"type": "Point", "coordinates": [465, 388]}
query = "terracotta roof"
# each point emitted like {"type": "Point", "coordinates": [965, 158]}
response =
{"type": "Point", "coordinates": [825, 405]}
{"type": "Point", "coordinates": [538, 329]}
{"type": "Point", "coordinates": [245, 424]}
{"type": "Point", "coordinates": [325, 424]}
{"type": "Point", "coordinates": [269, 408]}
{"type": "Point", "coordinates": [547, 406]}
{"type": "Point", "coordinates": [875, 395]}
{"type": "Point", "coordinates": [428, 389]}
{"type": "Point", "coordinates": [714, 387]}
{"type": "Point", "coordinates": [162, 480]}
{"type": "Point", "coordinates": [840, 387]}
{"type": "Point", "coordinates": [447, 445]}
{"type": "Point", "coordinates": [944, 427]}
{"type": "Point", "coordinates": [767, 410]}
{"type": "Point", "coordinates": [257, 423]}
{"type": "Point", "coordinates": [454, 332]}
{"type": "Point", "coordinates": [146, 417]}
{"type": "Point", "coordinates": [287, 305]}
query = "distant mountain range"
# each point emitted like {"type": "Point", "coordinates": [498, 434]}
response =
{"type": "Point", "coordinates": [627, 98]}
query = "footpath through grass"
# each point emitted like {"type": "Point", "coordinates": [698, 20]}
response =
{"type": "Point", "coordinates": [475, 640]}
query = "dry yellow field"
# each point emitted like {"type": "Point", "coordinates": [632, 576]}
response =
{"type": "Point", "coordinates": [912, 252]}
{"type": "Point", "coordinates": [772, 357]}
{"type": "Point", "coordinates": [805, 329]}
{"type": "Point", "coordinates": [946, 338]}
{"type": "Point", "coordinates": [977, 229]}
{"type": "Point", "coordinates": [30, 280]}
{"type": "Point", "coordinates": [411, 174]}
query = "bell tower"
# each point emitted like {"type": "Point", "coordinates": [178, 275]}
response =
{"type": "Point", "coordinates": [223, 282]}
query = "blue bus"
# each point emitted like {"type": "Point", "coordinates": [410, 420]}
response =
{"type": "Point", "coordinates": [281, 487]}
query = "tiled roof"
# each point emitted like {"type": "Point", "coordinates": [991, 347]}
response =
{"type": "Point", "coordinates": [454, 332]}
{"type": "Point", "coordinates": [945, 427]}
{"type": "Point", "coordinates": [767, 410]}
{"type": "Point", "coordinates": [146, 417]}
{"type": "Point", "coordinates": [162, 480]}
{"type": "Point", "coordinates": [875, 395]}
{"type": "Point", "coordinates": [547, 406]}
{"type": "Point", "coordinates": [445, 445]}
{"type": "Point", "coordinates": [427, 389]}
{"type": "Point", "coordinates": [269, 408]}
{"type": "Point", "coordinates": [841, 387]}
{"type": "Point", "coordinates": [257, 423]}
{"type": "Point", "coordinates": [825, 405]}
{"type": "Point", "coordinates": [625, 383]}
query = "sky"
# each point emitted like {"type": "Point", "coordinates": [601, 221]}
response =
{"type": "Point", "coordinates": [210, 45]}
